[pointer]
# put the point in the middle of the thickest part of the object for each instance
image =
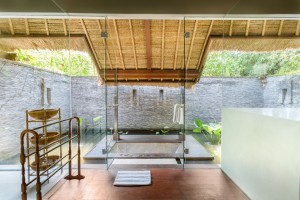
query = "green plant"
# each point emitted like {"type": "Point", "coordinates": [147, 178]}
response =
{"type": "Point", "coordinates": [73, 63]}
{"type": "Point", "coordinates": [198, 126]}
{"type": "Point", "coordinates": [214, 130]}
{"type": "Point", "coordinates": [211, 132]}
{"type": "Point", "coordinates": [165, 130]}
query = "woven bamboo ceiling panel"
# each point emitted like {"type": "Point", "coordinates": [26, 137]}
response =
{"type": "Point", "coordinates": [148, 50]}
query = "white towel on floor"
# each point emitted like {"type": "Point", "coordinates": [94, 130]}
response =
{"type": "Point", "coordinates": [132, 178]}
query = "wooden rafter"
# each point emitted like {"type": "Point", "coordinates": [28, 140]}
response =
{"type": "Point", "coordinates": [264, 28]}
{"type": "Point", "coordinates": [65, 26]}
{"type": "Point", "coordinates": [203, 59]}
{"type": "Point", "coordinates": [280, 28]}
{"type": "Point", "coordinates": [26, 26]}
{"type": "Point", "coordinates": [133, 44]}
{"type": "Point", "coordinates": [105, 44]}
{"type": "Point", "coordinates": [231, 27]}
{"type": "Point", "coordinates": [112, 38]}
{"type": "Point", "coordinates": [247, 28]}
{"type": "Point", "coordinates": [11, 27]}
{"type": "Point", "coordinates": [177, 43]}
{"type": "Point", "coordinates": [119, 43]}
{"type": "Point", "coordinates": [297, 28]}
{"type": "Point", "coordinates": [148, 43]}
{"type": "Point", "coordinates": [192, 43]}
{"type": "Point", "coordinates": [204, 44]}
{"type": "Point", "coordinates": [163, 45]}
{"type": "Point", "coordinates": [90, 43]}
{"type": "Point", "coordinates": [150, 74]}
{"type": "Point", "coordinates": [46, 26]}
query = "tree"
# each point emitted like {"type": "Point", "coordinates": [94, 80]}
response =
{"type": "Point", "coordinates": [237, 63]}
{"type": "Point", "coordinates": [73, 63]}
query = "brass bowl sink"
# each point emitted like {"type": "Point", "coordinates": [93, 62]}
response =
{"type": "Point", "coordinates": [43, 114]}
{"type": "Point", "coordinates": [45, 163]}
{"type": "Point", "coordinates": [51, 137]}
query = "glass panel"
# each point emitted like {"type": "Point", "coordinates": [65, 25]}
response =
{"type": "Point", "coordinates": [261, 65]}
{"type": "Point", "coordinates": [88, 89]}
{"type": "Point", "coordinates": [203, 95]}
{"type": "Point", "coordinates": [29, 80]}
{"type": "Point", "coordinates": [33, 75]}
{"type": "Point", "coordinates": [111, 92]}
{"type": "Point", "coordinates": [143, 114]}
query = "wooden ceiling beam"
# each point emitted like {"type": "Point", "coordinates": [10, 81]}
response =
{"type": "Point", "coordinates": [280, 28]}
{"type": "Point", "coordinates": [264, 28]}
{"type": "Point", "coordinates": [26, 26]}
{"type": "Point", "coordinates": [133, 44]}
{"type": "Point", "coordinates": [247, 28]}
{"type": "Point", "coordinates": [65, 26]}
{"type": "Point", "coordinates": [163, 45]}
{"type": "Point", "coordinates": [297, 28]}
{"type": "Point", "coordinates": [204, 44]}
{"type": "Point", "coordinates": [151, 74]}
{"type": "Point", "coordinates": [147, 24]}
{"type": "Point", "coordinates": [104, 44]}
{"type": "Point", "coordinates": [46, 26]}
{"type": "Point", "coordinates": [11, 27]}
{"type": "Point", "coordinates": [177, 43]}
{"type": "Point", "coordinates": [119, 43]}
{"type": "Point", "coordinates": [191, 45]}
{"type": "Point", "coordinates": [204, 56]}
{"type": "Point", "coordinates": [90, 43]}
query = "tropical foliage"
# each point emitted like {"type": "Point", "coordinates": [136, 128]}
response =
{"type": "Point", "coordinates": [212, 131]}
{"type": "Point", "coordinates": [73, 63]}
{"type": "Point", "coordinates": [258, 64]}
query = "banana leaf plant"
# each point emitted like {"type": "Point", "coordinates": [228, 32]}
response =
{"type": "Point", "coordinates": [198, 126]}
{"type": "Point", "coordinates": [212, 131]}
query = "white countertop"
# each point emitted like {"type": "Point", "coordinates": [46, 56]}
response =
{"type": "Point", "coordinates": [284, 113]}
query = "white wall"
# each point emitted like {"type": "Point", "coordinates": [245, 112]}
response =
{"type": "Point", "coordinates": [261, 153]}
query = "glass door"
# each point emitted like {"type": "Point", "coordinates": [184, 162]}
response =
{"type": "Point", "coordinates": [145, 62]}
{"type": "Point", "coordinates": [110, 77]}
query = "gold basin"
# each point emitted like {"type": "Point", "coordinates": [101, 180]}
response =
{"type": "Point", "coordinates": [43, 114]}
{"type": "Point", "coordinates": [51, 137]}
{"type": "Point", "coordinates": [44, 163]}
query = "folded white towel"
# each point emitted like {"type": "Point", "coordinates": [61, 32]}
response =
{"type": "Point", "coordinates": [175, 113]}
{"type": "Point", "coordinates": [181, 114]}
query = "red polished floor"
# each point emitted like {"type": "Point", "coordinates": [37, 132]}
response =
{"type": "Point", "coordinates": [167, 183]}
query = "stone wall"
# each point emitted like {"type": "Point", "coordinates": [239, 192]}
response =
{"type": "Point", "coordinates": [151, 107]}
{"type": "Point", "coordinates": [140, 107]}
{"type": "Point", "coordinates": [20, 90]}
{"type": "Point", "coordinates": [282, 91]}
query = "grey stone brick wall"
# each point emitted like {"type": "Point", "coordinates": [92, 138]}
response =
{"type": "Point", "coordinates": [282, 91]}
{"type": "Point", "coordinates": [20, 90]}
{"type": "Point", "coordinates": [140, 107]}
{"type": "Point", "coordinates": [143, 107]}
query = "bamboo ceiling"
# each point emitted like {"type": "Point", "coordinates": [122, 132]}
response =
{"type": "Point", "coordinates": [147, 50]}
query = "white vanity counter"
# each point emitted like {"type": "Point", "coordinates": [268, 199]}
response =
{"type": "Point", "coordinates": [284, 113]}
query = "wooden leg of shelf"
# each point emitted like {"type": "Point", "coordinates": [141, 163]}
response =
{"type": "Point", "coordinates": [71, 177]}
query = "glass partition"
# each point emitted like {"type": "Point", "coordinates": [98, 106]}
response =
{"type": "Point", "coordinates": [34, 75]}
{"type": "Point", "coordinates": [202, 94]}
{"type": "Point", "coordinates": [141, 128]}
{"type": "Point", "coordinates": [261, 66]}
